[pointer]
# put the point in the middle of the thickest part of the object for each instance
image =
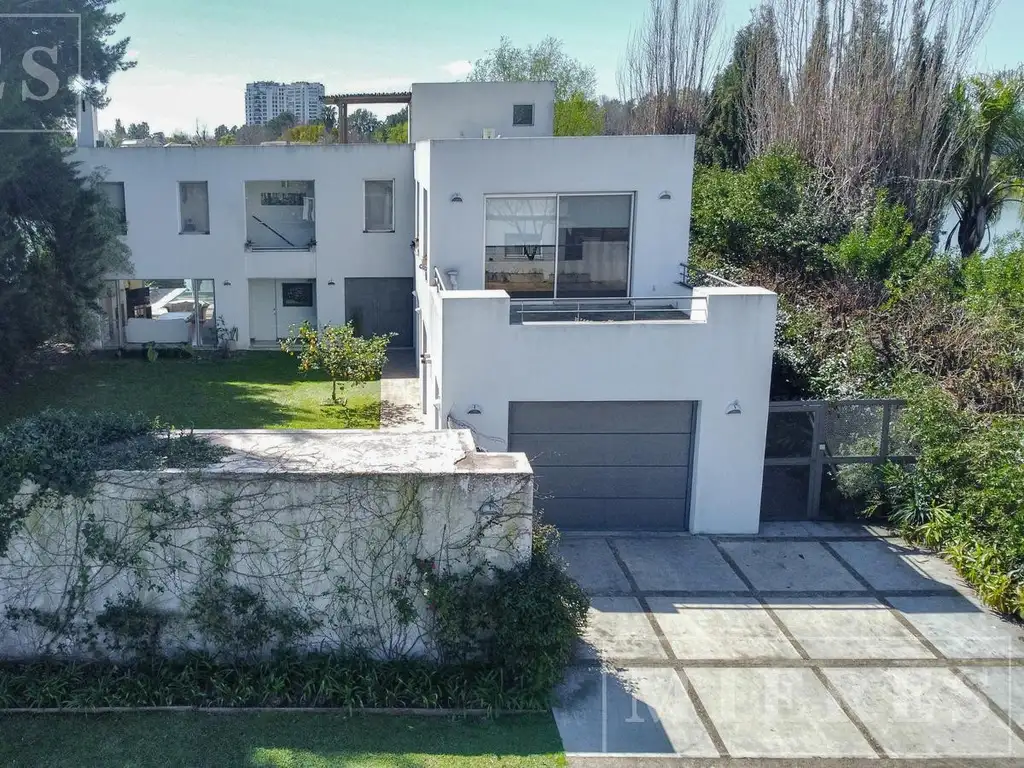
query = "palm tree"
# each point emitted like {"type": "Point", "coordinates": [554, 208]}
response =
{"type": "Point", "coordinates": [988, 126]}
{"type": "Point", "coordinates": [329, 118]}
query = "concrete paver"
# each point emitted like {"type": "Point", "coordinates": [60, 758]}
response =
{"type": "Point", "coordinates": [776, 713]}
{"type": "Point", "coordinates": [677, 564]}
{"type": "Point", "coordinates": [592, 564]}
{"type": "Point", "coordinates": [847, 628]}
{"type": "Point", "coordinates": [644, 711]}
{"type": "Point", "coordinates": [892, 567]}
{"type": "Point", "coordinates": [924, 713]}
{"type": "Point", "coordinates": [790, 566]}
{"type": "Point", "coordinates": [720, 628]}
{"type": "Point", "coordinates": [1004, 685]}
{"type": "Point", "coordinates": [960, 628]}
{"type": "Point", "coordinates": [618, 628]}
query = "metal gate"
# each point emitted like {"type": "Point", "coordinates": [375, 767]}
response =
{"type": "Point", "coordinates": [820, 456]}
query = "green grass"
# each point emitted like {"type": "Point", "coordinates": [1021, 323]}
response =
{"type": "Point", "coordinates": [249, 390]}
{"type": "Point", "coordinates": [276, 740]}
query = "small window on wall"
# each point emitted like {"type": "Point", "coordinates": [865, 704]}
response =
{"type": "Point", "coordinates": [522, 114]}
{"type": "Point", "coordinates": [296, 294]}
{"type": "Point", "coordinates": [379, 205]}
{"type": "Point", "coordinates": [114, 192]}
{"type": "Point", "coordinates": [195, 208]}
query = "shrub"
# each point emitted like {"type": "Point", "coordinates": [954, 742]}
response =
{"type": "Point", "coordinates": [524, 621]}
{"type": "Point", "coordinates": [338, 352]}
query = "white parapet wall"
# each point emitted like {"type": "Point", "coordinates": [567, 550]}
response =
{"type": "Point", "coordinates": [722, 354]}
{"type": "Point", "coordinates": [329, 527]}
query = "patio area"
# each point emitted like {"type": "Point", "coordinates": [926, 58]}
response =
{"type": "Point", "coordinates": [810, 641]}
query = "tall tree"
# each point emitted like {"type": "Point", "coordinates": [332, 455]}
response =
{"type": "Point", "coordinates": [578, 116]}
{"type": "Point", "coordinates": [669, 65]}
{"type": "Point", "coordinates": [988, 114]}
{"type": "Point", "coordinates": [544, 61]}
{"type": "Point", "coordinates": [139, 130]}
{"type": "Point", "coordinates": [58, 236]}
{"type": "Point", "coordinates": [362, 124]}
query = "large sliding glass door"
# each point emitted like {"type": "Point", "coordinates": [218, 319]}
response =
{"type": "Point", "coordinates": [555, 246]}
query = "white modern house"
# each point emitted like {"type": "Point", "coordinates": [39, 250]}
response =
{"type": "Point", "coordinates": [541, 280]}
{"type": "Point", "coordinates": [265, 100]}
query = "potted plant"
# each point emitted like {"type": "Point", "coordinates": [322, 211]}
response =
{"type": "Point", "coordinates": [227, 338]}
{"type": "Point", "coordinates": [248, 245]}
{"type": "Point", "coordinates": [311, 245]}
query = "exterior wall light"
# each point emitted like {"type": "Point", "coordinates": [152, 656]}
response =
{"type": "Point", "coordinates": [227, 282]}
{"type": "Point", "coordinates": [733, 408]}
{"type": "Point", "coordinates": [666, 195]}
{"type": "Point", "coordinates": [489, 508]}
{"type": "Point", "coordinates": [474, 410]}
{"type": "Point", "coordinates": [331, 282]}
{"type": "Point", "coordinates": [456, 198]}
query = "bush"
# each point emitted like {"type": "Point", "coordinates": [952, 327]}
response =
{"type": "Point", "coordinates": [964, 495]}
{"type": "Point", "coordinates": [524, 621]}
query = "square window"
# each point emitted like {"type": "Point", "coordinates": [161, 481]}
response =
{"type": "Point", "coordinates": [522, 114]}
{"type": "Point", "coordinates": [379, 205]}
{"type": "Point", "coordinates": [296, 294]}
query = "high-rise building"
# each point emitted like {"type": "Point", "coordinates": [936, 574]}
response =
{"type": "Point", "coordinates": [265, 100]}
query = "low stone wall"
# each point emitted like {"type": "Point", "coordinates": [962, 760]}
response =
{"type": "Point", "coordinates": [314, 539]}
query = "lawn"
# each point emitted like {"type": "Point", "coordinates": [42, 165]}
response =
{"type": "Point", "coordinates": [248, 390]}
{"type": "Point", "coordinates": [276, 740]}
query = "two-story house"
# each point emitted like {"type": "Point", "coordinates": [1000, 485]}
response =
{"type": "Point", "coordinates": [540, 279]}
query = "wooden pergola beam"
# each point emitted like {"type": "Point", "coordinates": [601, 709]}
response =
{"type": "Point", "coordinates": [341, 101]}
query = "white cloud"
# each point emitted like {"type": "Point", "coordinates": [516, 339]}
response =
{"type": "Point", "coordinates": [459, 68]}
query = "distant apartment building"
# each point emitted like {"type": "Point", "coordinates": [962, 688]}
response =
{"type": "Point", "coordinates": [266, 100]}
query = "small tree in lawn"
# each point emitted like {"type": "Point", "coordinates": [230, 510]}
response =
{"type": "Point", "coordinates": [339, 352]}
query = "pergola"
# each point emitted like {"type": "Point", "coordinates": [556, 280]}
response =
{"type": "Point", "coordinates": [341, 101]}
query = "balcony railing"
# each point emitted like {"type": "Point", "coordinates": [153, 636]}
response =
{"type": "Point", "coordinates": [692, 277]}
{"type": "Point", "coordinates": [604, 310]}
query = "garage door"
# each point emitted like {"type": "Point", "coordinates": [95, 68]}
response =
{"type": "Point", "coordinates": [381, 305]}
{"type": "Point", "coordinates": [608, 465]}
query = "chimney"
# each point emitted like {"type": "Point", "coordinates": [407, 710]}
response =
{"type": "Point", "coordinates": [88, 135]}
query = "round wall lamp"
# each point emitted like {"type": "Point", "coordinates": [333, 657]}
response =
{"type": "Point", "coordinates": [733, 408]}
{"type": "Point", "coordinates": [331, 282]}
{"type": "Point", "coordinates": [227, 282]}
{"type": "Point", "coordinates": [666, 195]}
{"type": "Point", "coordinates": [456, 198]}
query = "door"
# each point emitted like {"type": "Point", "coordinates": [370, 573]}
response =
{"type": "Point", "coordinates": [608, 465]}
{"type": "Point", "coordinates": [262, 310]}
{"type": "Point", "coordinates": [377, 305]}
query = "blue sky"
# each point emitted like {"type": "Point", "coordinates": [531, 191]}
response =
{"type": "Point", "coordinates": [195, 56]}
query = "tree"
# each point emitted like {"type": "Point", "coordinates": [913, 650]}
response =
{"type": "Point", "coordinates": [138, 131]}
{"type": "Point", "coordinates": [329, 119]}
{"type": "Point", "coordinates": [394, 129]}
{"type": "Point", "coordinates": [578, 116]}
{"type": "Point", "coordinates": [220, 132]}
{"type": "Point", "coordinates": [58, 236]}
{"type": "Point", "coordinates": [280, 124]}
{"type": "Point", "coordinates": [309, 134]}
{"type": "Point", "coordinates": [362, 124]}
{"type": "Point", "coordinates": [119, 133]}
{"type": "Point", "coordinates": [544, 61]}
{"type": "Point", "coordinates": [338, 352]}
{"type": "Point", "coordinates": [669, 65]}
{"type": "Point", "coordinates": [988, 114]}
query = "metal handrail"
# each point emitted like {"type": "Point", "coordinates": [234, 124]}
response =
{"type": "Point", "coordinates": [691, 277]}
{"type": "Point", "coordinates": [623, 308]}
{"type": "Point", "coordinates": [439, 281]}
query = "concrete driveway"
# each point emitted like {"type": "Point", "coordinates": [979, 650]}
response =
{"type": "Point", "coordinates": [820, 642]}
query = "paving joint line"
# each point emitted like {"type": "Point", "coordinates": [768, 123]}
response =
{"type": "Point", "coordinates": [758, 663]}
{"type": "Point", "coordinates": [830, 689]}
{"type": "Point", "coordinates": [772, 594]}
{"type": "Point", "coordinates": [698, 706]}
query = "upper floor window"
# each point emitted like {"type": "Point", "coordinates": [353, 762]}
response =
{"type": "Point", "coordinates": [114, 192]}
{"type": "Point", "coordinates": [379, 205]}
{"type": "Point", "coordinates": [280, 215]}
{"type": "Point", "coordinates": [195, 208]}
{"type": "Point", "coordinates": [522, 114]}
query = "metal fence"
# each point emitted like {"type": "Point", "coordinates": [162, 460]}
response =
{"type": "Point", "coordinates": [820, 457]}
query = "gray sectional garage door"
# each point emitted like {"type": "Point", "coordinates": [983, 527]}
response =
{"type": "Point", "coordinates": [608, 465]}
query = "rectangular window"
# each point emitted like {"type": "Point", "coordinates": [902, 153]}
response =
{"type": "Point", "coordinates": [114, 192]}
{"type": "Point", "coordinates": [379, 205]}
{"type": "Point", "coordinates": [195, 208]}
{"type": "Point", "coordinates": [522, 114]}
{"type": "Point", "coordinates": [296, 294]}
{"type": "Point", "coordinates": [280, 215]}
{"type": "Point", "coordinates": [558, 246]}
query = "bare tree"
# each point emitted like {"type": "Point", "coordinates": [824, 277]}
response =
{"type": "Point", "coordinates": [669, 65]}
{"type": "Point", "coordinates": [860, 88]}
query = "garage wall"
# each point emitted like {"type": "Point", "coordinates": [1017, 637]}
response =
{"type": "Point", "coordinates": [490, 363]}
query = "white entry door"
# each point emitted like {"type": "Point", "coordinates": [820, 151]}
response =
{"type": "Point", "coordinates": [263, 310]}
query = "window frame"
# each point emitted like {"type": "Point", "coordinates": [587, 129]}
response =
{"type": "Point", "coordinates": [181, 223]}
{"type": "Point", "coordinates": [556, 196]}
{"type": "Point", "coordinates": [533, 116]}
{"type": "Point", "coordinates": [366, 229]}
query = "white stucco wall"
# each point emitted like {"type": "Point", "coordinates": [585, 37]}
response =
{"type": "Point", "coordinates": [724, 357]}
{"type": "Point", "coordinates": [151, 177]}
{"type": "Point", "coordinates": [464, 110]}
{"type": "Point", "coordinates": [643, 165]}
